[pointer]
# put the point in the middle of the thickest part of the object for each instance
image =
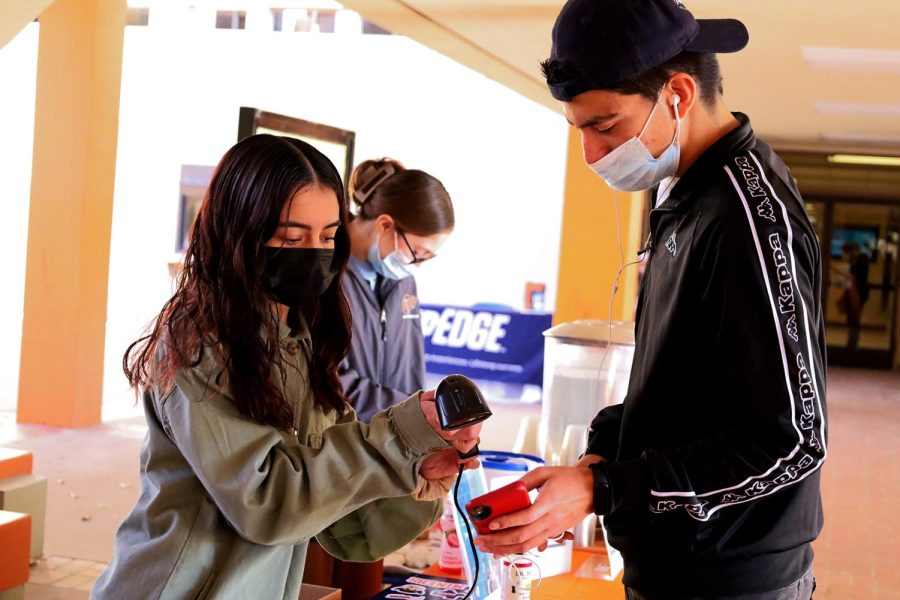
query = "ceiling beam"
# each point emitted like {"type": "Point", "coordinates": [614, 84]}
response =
{"type": "Point", "coordinates": [400, 17]}
{"type": "Point", "coordinates": [16, 14]}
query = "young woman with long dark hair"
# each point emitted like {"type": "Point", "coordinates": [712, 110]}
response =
{"type": "Point", "coordinates": [251, 447]}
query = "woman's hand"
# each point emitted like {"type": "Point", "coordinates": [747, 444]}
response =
{"type": "Point", "coordinates": [462, 439]}
{"type": "Point", "coordinates": [444, 463]}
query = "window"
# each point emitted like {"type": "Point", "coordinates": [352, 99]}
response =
{"type": "Point", "coordinates": [324, 21]}
{"type": "Point", "coordinates": [231, 19]}
{"type": "Point", "coordinates": [194, 181]}
{"type": "Point", "coordinates": [337, 144]}
{"type": "Point", "coordinates": [137, 17]}
{"type": "Point", "coordinates": [372, 28]}
{"type": "Point", "coordinates": [305, 20]}
{"type": "Point", "coordinates": [277, 19]}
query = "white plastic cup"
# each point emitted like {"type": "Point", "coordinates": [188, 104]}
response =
{"type": "Point", "coordinates": [527, 438]}
{"type": "Point", "coordinates": [574, 444]}
{"type": "Point", "coordinates": [586, 532]}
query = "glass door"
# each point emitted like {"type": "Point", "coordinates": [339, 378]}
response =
{"type": "Point", "coordinates": [860, 249]}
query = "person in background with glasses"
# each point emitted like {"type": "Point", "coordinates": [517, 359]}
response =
{"type": "Point", "coordinates": [401, 219]}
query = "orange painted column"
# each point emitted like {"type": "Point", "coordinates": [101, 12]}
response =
{"type": "Point", "coordinates": [76, 129]}
{"type": "Point", "coordinates": [589, 253]}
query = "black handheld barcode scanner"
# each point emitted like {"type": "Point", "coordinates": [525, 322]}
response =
{"type": "Point", "coordinates": [459, 403]}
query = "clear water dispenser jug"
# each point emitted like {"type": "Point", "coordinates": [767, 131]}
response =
{"type": "Point", "coordinates": [586, 368]}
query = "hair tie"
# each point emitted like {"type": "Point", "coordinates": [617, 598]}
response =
{"type": "Point", "coordinates": [371, 178]}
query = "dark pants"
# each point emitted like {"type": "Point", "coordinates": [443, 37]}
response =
{"type": "Point", "coordinates": [801, 589]}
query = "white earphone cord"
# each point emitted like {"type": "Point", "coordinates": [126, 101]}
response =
{"type": "Point", "coordinates": [615, 289]}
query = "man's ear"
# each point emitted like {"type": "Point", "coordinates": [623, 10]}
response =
{"type": "Point", "coordinates": [683, 86]}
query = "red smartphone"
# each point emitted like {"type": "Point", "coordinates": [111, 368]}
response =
{"type": "Point", "coordinates": [484, 509]}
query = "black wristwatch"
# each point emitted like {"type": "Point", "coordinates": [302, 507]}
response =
{"type": "Point", "coordinates": [602, 492]}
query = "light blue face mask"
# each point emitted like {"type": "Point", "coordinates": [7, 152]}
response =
{"type": "Point", "coordinates": [631, 167]}
{"type": "Point", "coordinates": [392, 266]}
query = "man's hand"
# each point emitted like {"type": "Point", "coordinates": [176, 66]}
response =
{"type": "Point", "coordinates": [565, 497]}
{"type": "Point", "coordinates": [462, 439]}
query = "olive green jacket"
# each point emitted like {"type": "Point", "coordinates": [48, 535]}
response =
{"type": "Point", "coordinates": [227, 506]}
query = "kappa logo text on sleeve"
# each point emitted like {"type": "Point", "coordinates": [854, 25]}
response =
{"type": "Point", "coordinates": [772, 238]}
{"type": "Point", "coordinates": [786, 304]}
{"type": "Point", "coordinates": [764, 207]}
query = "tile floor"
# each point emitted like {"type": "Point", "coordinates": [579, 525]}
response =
{"type": "Point", "coordinates": [70, 573]}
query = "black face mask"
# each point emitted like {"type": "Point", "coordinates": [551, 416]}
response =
{"type": "Point", "coordinates": [297, 276]}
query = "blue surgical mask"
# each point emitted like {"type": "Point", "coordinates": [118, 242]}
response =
{"type": "Point", "coordinates": [631, 167]}
{"type": "Point", "coordinates": [392, 266]}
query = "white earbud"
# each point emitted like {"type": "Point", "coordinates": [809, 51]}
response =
{"type": "Point", "coordinates": [675, 99]}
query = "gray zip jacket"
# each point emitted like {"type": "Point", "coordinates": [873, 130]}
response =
{"type": "Point", "coordinates": [386, 361]}
{"type": "Point", "coordinates": [227, 505]}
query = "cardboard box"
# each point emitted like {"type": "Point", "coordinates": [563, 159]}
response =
{"type": "Point", "coordinates": [555, 560]}
{"type": "Point", "coordinates": [27, 494]}
{"type": "Point", "coordinates": [17, 593]}
{"type": "Point", "coordinates": [318, 592]}
{"type": "Point", "coordinates": [15, 462]}
{"type": "Point", "coordinates": [15, 540]}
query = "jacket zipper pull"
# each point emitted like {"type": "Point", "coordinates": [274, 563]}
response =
{"type": "Point", "coordinates": [383, 325]}
{"type": "Point", "coordinates": [648, 247]}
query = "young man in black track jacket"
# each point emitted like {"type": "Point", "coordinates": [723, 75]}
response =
{"type": "Point", "coordinates": [708, 474]}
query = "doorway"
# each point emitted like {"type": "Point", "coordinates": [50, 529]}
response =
{"type": "Point", "coordinates": [859, 242]}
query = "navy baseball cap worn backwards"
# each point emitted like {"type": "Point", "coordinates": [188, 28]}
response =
{"type": "Point", "coordinates": [608, 41]}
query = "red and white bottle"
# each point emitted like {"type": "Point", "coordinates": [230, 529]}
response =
{"type": "Point", "coordinates": [451, 558]}
{"type": "Point", "coordinates": [517, 578]}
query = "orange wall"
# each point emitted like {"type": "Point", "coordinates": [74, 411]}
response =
{"type": "Point", "coordinates": [76, 129]}
{"type": "Point", "coordinates": [589, 253]}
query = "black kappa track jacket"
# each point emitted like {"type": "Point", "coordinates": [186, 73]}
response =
{"type": "Point", "coordinates": [714, 458]}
